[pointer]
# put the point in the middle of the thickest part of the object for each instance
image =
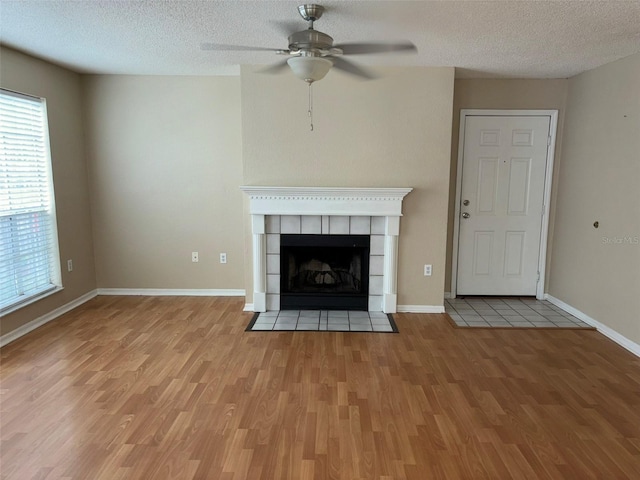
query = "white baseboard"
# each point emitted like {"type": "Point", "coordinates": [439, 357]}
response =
{"type": "Point", "coordinates": [52, 315]}
{"type": "Point", "coordinates": [167, 292]}
{"type": "Point", "coordinates": [248, 307]}
{"type": "Point", "coordinates": [420, 309]}
{"type": "Point", "coordinates": [603, 329]}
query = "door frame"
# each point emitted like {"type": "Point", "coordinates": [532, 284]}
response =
{"type": "Point", "coordinates": [548, 178]}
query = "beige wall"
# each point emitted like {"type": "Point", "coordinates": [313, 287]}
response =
{"type": "Point", "coordinates": [391, 132]}
{"type": "Point", "coordinates": [62, 90]}
{"type": "Point", "coordinates": [165, 166]}
{"type": "Point", "coordinates": [166, 159]}
{"type": "Point", "coordinates": [507, 94]}
{"type": "Point", "coordinates": [599, 180]}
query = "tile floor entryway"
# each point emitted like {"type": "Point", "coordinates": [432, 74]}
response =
{"type": "Point", "coordinates": [323, 320]}
{"type": "Point", "coordinates": [509, 312]}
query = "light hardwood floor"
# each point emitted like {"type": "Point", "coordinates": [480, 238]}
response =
{"type": "Point", "coordinates": [174, 388]}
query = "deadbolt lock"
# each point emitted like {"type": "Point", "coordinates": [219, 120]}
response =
{"type": "Point", "coordinates": [465, 202]}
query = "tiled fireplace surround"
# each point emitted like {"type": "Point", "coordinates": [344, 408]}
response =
{"type": "Point", "coordinates": [328, 211]}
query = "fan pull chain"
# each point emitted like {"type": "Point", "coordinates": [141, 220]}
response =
{"type": "Point", "coordinates": [310, 111]}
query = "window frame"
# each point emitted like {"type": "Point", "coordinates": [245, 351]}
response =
{"type": "Point", "coordinates": [52, 247]}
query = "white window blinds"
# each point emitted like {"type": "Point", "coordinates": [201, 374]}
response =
{"type": "Point", "coordinates": [29, 259]}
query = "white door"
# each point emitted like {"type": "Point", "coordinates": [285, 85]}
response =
{"type": "Point", "coordinates": [501, 204]}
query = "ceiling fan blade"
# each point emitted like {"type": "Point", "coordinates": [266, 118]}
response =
{"type": "Point", "coordinates": [275, 68]}
{"type": "Point", "coordinates": [349, 67]}
{"type": "Point", "coordinates": [236, 48]}
{"type": "Point", "coordinates": [365, 48]}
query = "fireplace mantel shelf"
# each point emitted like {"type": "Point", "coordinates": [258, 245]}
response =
{"type": "Point", "coordinates": [351, 201]}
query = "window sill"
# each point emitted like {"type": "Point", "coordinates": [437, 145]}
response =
{"type": "Point", "coordinates": [30, 300]}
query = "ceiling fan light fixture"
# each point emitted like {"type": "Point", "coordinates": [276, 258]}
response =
{"type": "Point", "coordinates": [309, 68]}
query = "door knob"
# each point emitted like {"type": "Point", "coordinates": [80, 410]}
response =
{"type": "Point", "coordinates": [465, 215]}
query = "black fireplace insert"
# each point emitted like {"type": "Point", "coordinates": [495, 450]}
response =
{"type": "Point", "coordinates": [324, 272]}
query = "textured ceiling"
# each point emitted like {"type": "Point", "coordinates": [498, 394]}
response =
{"type": "Point", "coordinates": [535, 39]}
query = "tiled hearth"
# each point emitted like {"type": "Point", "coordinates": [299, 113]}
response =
{"type": "Point", "coordinates": [323, 320]}
{"type": "Point", "coordinates": [325, 211]}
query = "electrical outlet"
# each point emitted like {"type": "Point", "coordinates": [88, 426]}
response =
{"type": "Point", "coordinates": [223, 258]}
{"type": "Point", "coordinates": [69, 265]}
{"type": "Point", "coordinates": [427, 270]}
{"type": "Point", "coordinates": [194, 257]}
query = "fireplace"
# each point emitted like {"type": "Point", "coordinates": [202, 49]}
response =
{"type": "Point", "coordinates": [334, 211]}
{"type": "Point", "coordinates": [324, 272]}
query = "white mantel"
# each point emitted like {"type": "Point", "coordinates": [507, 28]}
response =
{"type": "Point", "coordinates": [326, 201]}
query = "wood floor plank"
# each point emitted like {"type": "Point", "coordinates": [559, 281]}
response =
{"type": "Point", "coordinates": [174, 388]}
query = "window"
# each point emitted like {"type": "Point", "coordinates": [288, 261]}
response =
{"type": "Point", "coordinates": [29, 259]}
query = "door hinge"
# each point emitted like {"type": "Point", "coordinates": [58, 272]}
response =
{"type": "Point", "coordinates": [549, 141]}
{"type": "Point", "coordinates": [538, 280]}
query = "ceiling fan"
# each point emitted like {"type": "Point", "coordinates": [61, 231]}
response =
{"type": "Point", "coordinates": [312, 53]}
